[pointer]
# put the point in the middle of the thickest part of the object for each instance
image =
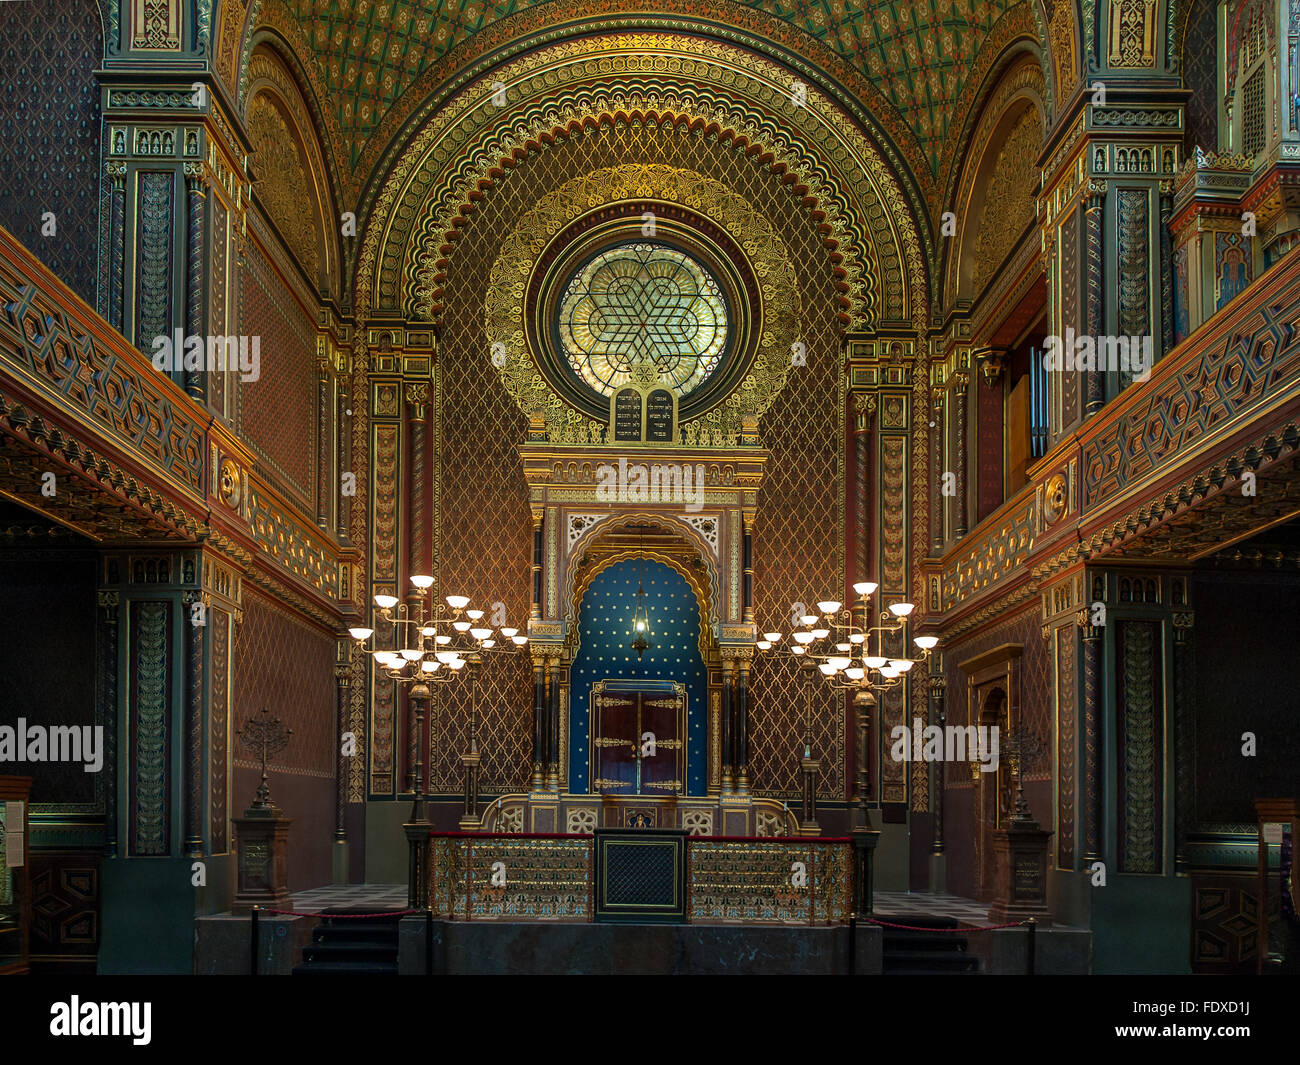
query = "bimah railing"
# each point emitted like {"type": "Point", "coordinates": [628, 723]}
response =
{"type": "Point", "coordinates": [525, 877]}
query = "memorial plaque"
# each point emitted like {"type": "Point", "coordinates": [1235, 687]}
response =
{"type": "Point", "coordinates": [659, 417]}
{"type": "Point", "coordinates": [627, 416]}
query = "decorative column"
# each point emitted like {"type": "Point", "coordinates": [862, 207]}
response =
{"type": "Point", "coordinates": [1166, 267]}
{"type": "Point", "coordinates": [747, 579]}
{"type": "Point", "coordinates": [960, 381]}
{"type": "Point", "coordinates": [344, 415]}
{"type": "Point", "coordinates": [938, 863]}
{"type": "Point", "coordinates": [728, 738]}
{"type": "Point", "coordinates": [553, 726]}
{"type": "Point", "coordinates": [414, 719]}
{"type": "Point", "coordinates": [864, 407]}
{"type": "Point", "coordinates": [537, 563]}
{"type": "Point", "coordinates": [740, 715]}
{"type": "Point", "coordinates": [194, 614]}
{"type": "Point", "coordinates": [416, 396]}
{"type": "Point", "coordinates": [1185, 726]}
{"type": "Point", "coordinates": [1092, 697]}
{"type": "Point", "coordinates": [342, 700]}
{"type": "Point", "coordinates": [388, 538]}
{"type": "Point", "coordinates": [936, 469]}
{"type": "Point", "coordinates": [107, 641]}
{"type": "Point", "coordinates": [1093, 216]}
{"type": "Point", "coordinates": [539, 721]}
{"type": "Point", "coordinates": [417, 399]}
{"type": "Point", "coordinates": [326, 411]}
{"type": "Point", "coordinates": [116, 241]}
{"type": "Point", "coordinates": [195, 205]}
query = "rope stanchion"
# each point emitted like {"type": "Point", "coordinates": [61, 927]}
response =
{"type": "Point", "coordinates": [968, 928]}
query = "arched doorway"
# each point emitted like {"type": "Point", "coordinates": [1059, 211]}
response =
{"type": "Point", "coordinates": [994, 791]}
{"type": "Point", "coordinates": [616, 695]}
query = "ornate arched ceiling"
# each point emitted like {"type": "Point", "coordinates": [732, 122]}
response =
{"type": "Point", "coordinates": [912, 63]}
{"type": "Point", "coordinates": [876, 244]}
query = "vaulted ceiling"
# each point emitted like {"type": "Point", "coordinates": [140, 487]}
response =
{"type": "Point", "coordinates": [923, 56]}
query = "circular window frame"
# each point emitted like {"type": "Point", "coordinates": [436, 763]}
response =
{"type": "Point", "coordinates": [676, 228]}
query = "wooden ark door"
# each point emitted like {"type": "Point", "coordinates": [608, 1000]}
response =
{"type": "Point", "coordinates": [638, 739]}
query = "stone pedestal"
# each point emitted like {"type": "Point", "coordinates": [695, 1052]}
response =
{"type": "Point", "coordinates": [418, 855]}
{"type": "Point", "coordinates": [864, 839]}
{"type": "Point", "coordinates": [808, 825]}
{"type": "Point", "coordinates": [262, 869]}
{"type": "Point", "coordinates": [469, 819]}
{"type": "Point", "coordinates": [938, 874]}
{"type": "Point", "coordinates": [339, 862]}
{"type": "Point", "coordinates": [1020, 874]}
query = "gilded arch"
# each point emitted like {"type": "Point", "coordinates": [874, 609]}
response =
{"type": "Point", "coordinates": [275, 113]}
{"type": "Point", "coordinates": [1019, 31]}
{"type": "Point", "coordinates": [705, 582]}
{"type": "Point", "coordinates": [745, 97]}
{"type": "Point", "coordinates": [697, 584]}
{"type": "Point", "coordinates": [1021, 82]}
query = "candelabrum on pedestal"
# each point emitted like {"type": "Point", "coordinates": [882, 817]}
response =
{"type": "Point", "coordinates": [262, 834]}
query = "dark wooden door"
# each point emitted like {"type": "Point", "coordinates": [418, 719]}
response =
{"type": "Point", "coordinates": [638, 739]}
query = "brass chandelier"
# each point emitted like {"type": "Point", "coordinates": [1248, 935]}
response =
{"type": "Point", "coordinates": [431, 637]}
{"type": "Point", "coordinates": [842, 649]}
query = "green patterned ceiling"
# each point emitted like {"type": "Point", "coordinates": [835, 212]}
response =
{"type": "Point", "coordinates": [916, 52]}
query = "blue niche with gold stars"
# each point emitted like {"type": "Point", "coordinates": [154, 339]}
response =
{"type": "Point", "coordinates": [605, 631]}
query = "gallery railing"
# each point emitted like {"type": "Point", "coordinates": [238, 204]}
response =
{"type": "Point", "coordinates": [523, 877]}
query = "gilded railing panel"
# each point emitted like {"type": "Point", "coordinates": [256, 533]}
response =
{"type": "Point", "coordinates": [482, 877]}
{"type": "Point", "coordinates": [788, 881]}
{"type": "Point", "coordinates": [511, 878]}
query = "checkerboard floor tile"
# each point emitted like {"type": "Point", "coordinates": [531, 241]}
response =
{"type": "Point", "coordinates": [381, 896]}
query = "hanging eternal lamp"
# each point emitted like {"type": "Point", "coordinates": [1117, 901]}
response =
{"type": "Point", "coordinates": [640, 618]}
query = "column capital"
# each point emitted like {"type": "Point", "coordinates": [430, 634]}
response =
{"type": "Point", "coordinates": [417, 398]}
{"type": "Point", "coordinates": [864, 409]}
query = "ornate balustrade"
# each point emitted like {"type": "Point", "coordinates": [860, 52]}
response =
{"type": "Point", "coordinates": [1169, 454]}
{"type": "Point", "coordinates": [519, 877]}
{"type": "Point", "coordinates": [481, 877]}
{"type": "Point", "coordinates": [77, 399]}
{"type": "Point", "coordinates": [769, 881]}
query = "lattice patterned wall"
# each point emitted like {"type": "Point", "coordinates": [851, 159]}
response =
{"type": "Point", "coordinates": [483, 539]}
{"type": "Point", "coordinates": [286, 665]}
{"type": "Point", "coordinates": [1035, 692]}
{"type": "Point", "coordinates": [50, 144]}
{"type": "Point", "coordinates": [483, 529]}
{"type": "Point", "coordinates": [799, 538]}
{"type": "Point", "coordinates": [277, 411]}
{"type": "Point", "coordinates": [1200, 63]}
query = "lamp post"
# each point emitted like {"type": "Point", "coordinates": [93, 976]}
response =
{"type": "Point", "coordinates": [434, 641]}
{"type": "Point", "coordinates": [846, 644]}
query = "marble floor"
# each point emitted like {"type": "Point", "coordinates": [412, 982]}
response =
{"type": "Point", "coordinates": [380, 896]}
{"type": "Point", "coordinates": [966, 911]}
